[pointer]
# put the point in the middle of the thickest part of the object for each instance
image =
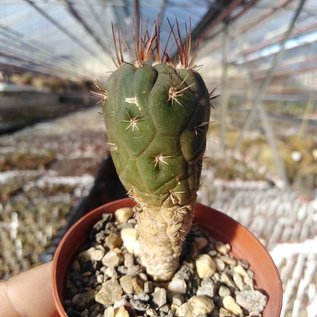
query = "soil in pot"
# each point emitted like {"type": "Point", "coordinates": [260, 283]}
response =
{"type": "Point", "coordinates": [106, 278]}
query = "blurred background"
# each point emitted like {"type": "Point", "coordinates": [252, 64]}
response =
{"type": "Point", "coordinates": [261, 158]}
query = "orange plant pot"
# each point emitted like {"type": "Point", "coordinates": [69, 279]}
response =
{"type": "Point", "coordinates": [220, 226]}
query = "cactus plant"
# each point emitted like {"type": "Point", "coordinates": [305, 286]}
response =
{"type": "Point", "coordinates": [157, 117]}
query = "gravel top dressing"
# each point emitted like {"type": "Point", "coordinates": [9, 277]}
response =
{"type": "Point", "coordinates": [107, 280]}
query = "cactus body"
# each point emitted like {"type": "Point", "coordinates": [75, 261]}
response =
{"type": "Point", "coordinates": [157, 119]}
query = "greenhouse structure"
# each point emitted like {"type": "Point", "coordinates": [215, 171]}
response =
{"type": "Point", "coordinates": [62, 62]}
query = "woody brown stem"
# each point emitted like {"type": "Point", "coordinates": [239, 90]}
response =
{"type": "Point", "coordinates": [161, 235]}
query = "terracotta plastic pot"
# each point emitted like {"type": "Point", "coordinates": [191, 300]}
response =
{"type": "Point", "coordinates": [220, 226]}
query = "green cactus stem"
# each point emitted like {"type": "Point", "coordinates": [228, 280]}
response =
{"type": "Point", "coordinates": [157, 118]}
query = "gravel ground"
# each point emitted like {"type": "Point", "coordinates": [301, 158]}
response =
{"type": "Point", "coordinates": [45, 170]}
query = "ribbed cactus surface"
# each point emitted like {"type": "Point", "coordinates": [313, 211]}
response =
{"type": "Point", "coordinates": [157, 119]}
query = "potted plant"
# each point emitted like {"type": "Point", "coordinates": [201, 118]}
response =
{"type": "Point", "coordinates": [157, 117]}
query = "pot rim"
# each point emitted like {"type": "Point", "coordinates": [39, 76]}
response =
{"type": "Point", "coordinates": [128, 202]}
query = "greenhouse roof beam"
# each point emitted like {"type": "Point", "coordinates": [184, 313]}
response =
{"type": "Point", "coordinates": [291, 69]}
{"type": "Point", "coordinates": [45, 69]}
{"type": "Point", "coordinates": [215, 15]}
{"type": "Point", "coordinates": [262, 18]}
{"type": "Point", "coordinates": [96, 16]}
{"type": "Point", "coordinates": [276, 39]}
{"type": "Point", "coordinates": [246, 6]}
{"type": "Point", "coordinates": [86, 26]}
{"type": "Point", "coordinates": [63, 29]}
{"type": "Point", "coordinates": [14, 39]}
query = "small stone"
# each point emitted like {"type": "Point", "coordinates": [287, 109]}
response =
{"type": "Point", "coordinates": [133, 270]}
{"type": "Point", "coordinates": [122, 302]}
{"type": "Point", "coordinates": [246, 274]}
{"type": "Point", "coordinates": [110, 272]}
{"type": "Point", "coordinates": [126, 284]}
{"type": "Point", "coordinates": [136, 249]}
{"type": "Point", "coordinates": [138, 285]}
{"type": "Point", "coordinates": [106, 218]}
{"type": "Point", "coordinates": [251, 300]}
{"type": "Point", "coordinates": [142, 297]}
{"type": "Point", "coordinates": [223, 291]}
{"type": "Point", "coordinates": [216, 277]}
{"type": "Point", "coordinates": [122, 269]}
{"type": "Point", "coordinates": [121, 312]}
{"type": "Point", "coordinates": [143, 276]}
{"type": "Point", "coordinates": [228, 260]}
{"type": "Point", "coordinates": [148, 287]}
{"type": "Point", "coordinates": [227, 280]}
{"type": "Point", "coordinates": [109, 312]}
{"type": "Point", "coordinates": [159, 296]}
{"type": "Point", "coordinates": [92, 254]}
{"type": "Point", "coordinates": [220, 264]}
{"type": "Point", "coordinates": [231, 305]}
{"type": "Point", "coordinates": [139, 305]}
{"type": "Point", "coordinates": [151, 312]}
{"type": "Point", "coordinates": [164, 310]}
{"type": "Point", "coordinates": [113, 240]}
{"type": "Point", "coordinates": [177, 300]}
{"type": "Point", "coordinates": [237, 278]}
{"type": "Point", "coordinates": [222, 248]}
{"type": "Point", "coordinates": [249, 282]}
{"type": "Point", "coordinates": [201, 242]}
{"type": "Point", "coordinates": [109, 293]}
{"type": "Point", "coordinates": [195, 306]}
{"type": "Point", "coordinates": [99, 278]}
{"type": "Point", "coordinates": [112, 259]}
{"type": "Point", "coordinates": [129, 237]}
{"type": "Point", "coordinates": [128, 260]}
{"type": "Point", "coordinates": [177, 285]}
{"type": "Point", "coordinates": [244, 263]}
{"type": "Point", "coordinates": [225, 313]}
{"type": "Point", "coordinates": [123, 214]}
{"type": "Point", "coordinates": [83, 299]}
{"type": "Point", "coordinates": [240, 270]}
{"type": "Point", "coordinates": [207, 288]}
{"type": "Point", "coordinates": [205, 266]}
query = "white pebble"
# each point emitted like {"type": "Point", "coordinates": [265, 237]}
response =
{"type": "Point", "coordinates": [92, 254]}
{"type": "Point", "coordinates": [136, 249]}
{"type": "Point", "coordinates": [252, 301]}
{"type": "Point", "coordinates": [231, 305]}
{"type": "Point", "coordinates": [240, 270]}
{"type": "Point", "coordinates": [121, 312]}
{"type": "Point", "coordinates": [129, 237]}
{"type": "Point", "coordinates": [205, 266]}
{"type": "Point", "coordinates": [222, 248]}
{"type": "Point", "coordinates": [237, 278]}
{"type": "Point", "coordinates": [109, 312]}
{"type": "Point", "coordinates": [123, 214]}
{"type": "Point", "coordinates": [196, 306]}
{"type": "Point", "coordinates": [177, 285]}
{"type": "Point", "coordinates": [111, 259]}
